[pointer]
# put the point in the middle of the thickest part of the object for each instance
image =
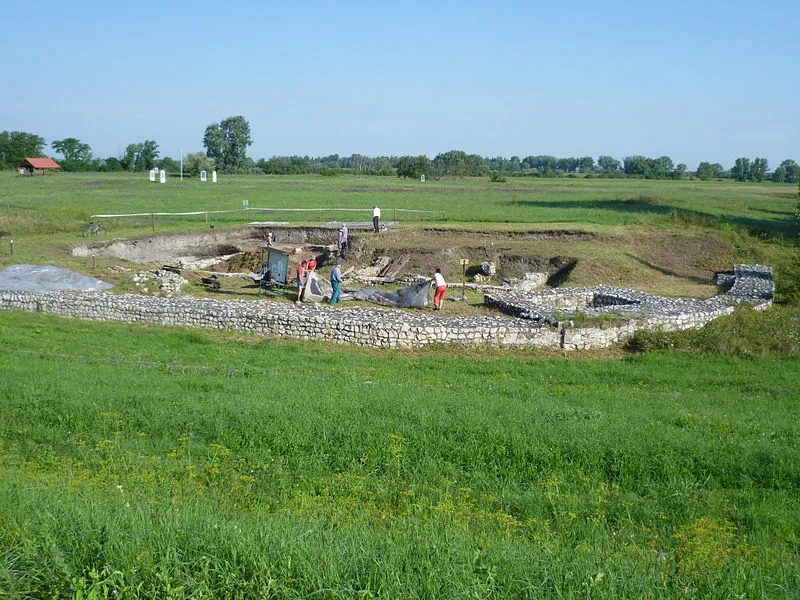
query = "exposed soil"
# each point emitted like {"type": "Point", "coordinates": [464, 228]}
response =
{"type": "Point", "coordinates": [656, 261]}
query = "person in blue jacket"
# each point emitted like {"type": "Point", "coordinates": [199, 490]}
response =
{"type": "Point", "coordinates": [336, 282]}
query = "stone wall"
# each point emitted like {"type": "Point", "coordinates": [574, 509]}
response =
{"type": "Point", "coordinates": [750, 284]}
{"type": "Point", "coordinates": [532, 324]}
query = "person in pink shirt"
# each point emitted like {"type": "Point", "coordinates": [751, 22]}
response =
{"type": "Point", "coordinates": [301, 279]}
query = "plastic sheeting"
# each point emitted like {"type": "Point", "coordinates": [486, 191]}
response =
{"type": "Point", "coordinates": [44, 278]}
{"type": "Point", "coordinates": [413, 296]}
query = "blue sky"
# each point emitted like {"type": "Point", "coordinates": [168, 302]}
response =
{"type": "Point", "coordinates": [696, 81]}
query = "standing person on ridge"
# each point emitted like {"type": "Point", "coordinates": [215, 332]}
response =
{"type": "Point", "coordinates": [376, 218]}
{"type": "Point", "coordinates": [336, 282]}
{"type": "Point", "coordinates": [441, 289]}
{"type": "Point", "coordinates": [343, 239]}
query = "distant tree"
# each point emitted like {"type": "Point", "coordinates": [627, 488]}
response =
{"type": "Point", "coordinates": [741, 169]}
{"type": "Point", "coordinates": [759, 169]}
{"type": "Point", "coordinates": [665, 166]}
{"type": "Point", "coordinates": [787, 172]}
{"type": "Point", "coordinates": [544, 164]}
{"type": "Point", "coordinates": [148, 154]}
{"type": "Point", "coordinates": [705, 171]}
{"type": "Point", "coordinates": [382, 165]}
{"type": "Point", "coordinates": [227, 143]}
{"type": "Point", "coordinates": [451, 164]}
{"type": "Point", "coordinates": [73, 150]}
{"type": "Point", "coordinates": [170, 165]}
{"type": "Point", "coordinates": [15, 146]}
{"type": "Point", "coordinates": [585, 164]}
{"type": "Point", "coordinates": [567, 165]}
{"type": "Point", "coordinates": [608, 164]}
{"type": "Point", "coordinates": [128, 160]}
{"type": "Point", "coordinates": [679, 172]}
{"type": "Point", "coordinates": [195, 162]}
{"type": "Point", "coordinates": [112, 163]}
{"type": "Point", "coordinates": [413, 167]}
{"type": "Point", "coordinates": [499, 164]}
{"type": "Point", "coordinates": [634, 165]}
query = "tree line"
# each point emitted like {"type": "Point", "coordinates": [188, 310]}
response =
{"type": "Point", "coordinates": [226, 144]}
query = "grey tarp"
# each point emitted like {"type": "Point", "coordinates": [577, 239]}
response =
{"type": "Point", "coordinates": [319, 289]}
{"type": "Point", "coordinates": [413, 296]}
{"type": "Point", "coordinates": [44, 278]}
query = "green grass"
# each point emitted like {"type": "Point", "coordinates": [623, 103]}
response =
{"type": "Point", "coordinates": [64, 203]}
{"type": "Point", "coordinates": [141, 462]}
{"type": "Point", "coordinates": [144, 462]}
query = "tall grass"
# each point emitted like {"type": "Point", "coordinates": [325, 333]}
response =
{"type": "Point", "coordinates": [141, 462]}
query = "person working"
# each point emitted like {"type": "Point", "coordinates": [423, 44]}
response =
{"type": "Point", "coordinates": [441, 288]}
{"type": "Point", "coordinates": [301, 279]}
{"type": "Point", "coordinates": [376, 218]}
{"type": "Point", "coordinates": [336, 282]}
{"type": "Point", "coordinates": [311, 264]}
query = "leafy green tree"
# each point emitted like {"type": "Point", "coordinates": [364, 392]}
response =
{"type": "Point", "coordinates": [73, 150]}
{"type": "Point", "coordinates": [227, 143]}
{"type": "Point", "coordinates": [169, 164]}
{"type": "Point", "coordinates": [451, 164]}
{"type": "Point", "coordinates": [15, 146]}
{"type": "Point", "coordinates": [787, 172]}
{"type": "Point", "coordinates": [147, 156]}
{"type": "Point", "coordinates": [705, 171]}
{"type": "Point", "coordinates": [608, 164]}
{"type": "Point", "coordinates": [585, 164]}
{"type": "Point", "coordinates": [679, 172]}
{"type": "Point", "coordinates": [758, 169]}
{"type": "Point", "coordinates": [413, 168]}
{"type": "Point", "coordinates": [382, 166]}
{"type": "Point", "coordinates": [665, 166]}
{"type": "Point", "coordinates": [128, 160]}
{"type": "Point", "coordinates": [567, 165]}
{"type": "Point", "coordinates": [112, 163]}
{"type": "Point", "coordinates": [741, 169]}
{"type": "Point", "coordinates": [195, 162]}
{"type": "Point", "coordinates": [634, 165]}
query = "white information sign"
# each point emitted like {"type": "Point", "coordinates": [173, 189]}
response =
{"type": "Point", "coordinates": [202, 175]}
{"type": "Point", "coordinates": [152, 175]}
{"type": "Point", "coordinates": [163, 175]}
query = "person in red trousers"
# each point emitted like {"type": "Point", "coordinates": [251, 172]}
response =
{"type": "Point", "coordinates": [441, 288]}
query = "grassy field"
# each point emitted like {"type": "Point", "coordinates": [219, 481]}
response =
{"type": "Point", "coordinates": [144, 462]}
{"type": "Point", "coordinates": [64, 203]}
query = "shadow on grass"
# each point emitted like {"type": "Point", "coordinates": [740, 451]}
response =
{"type": "Point", "coordinates": [666, 271]}
{"type": "Point", "coordinates": [776, 228]}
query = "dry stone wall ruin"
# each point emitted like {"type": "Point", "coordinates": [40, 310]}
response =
{"type": "Point", "coordinates": [529, 319]}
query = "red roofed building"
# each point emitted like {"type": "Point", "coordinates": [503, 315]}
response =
{"type": "Point", "coordinates": [37, 166]}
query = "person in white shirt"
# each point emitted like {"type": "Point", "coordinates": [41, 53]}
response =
{"type": "Point", "coordinates": [376, 218]}
{"type": "Point", "coordinates": [343, 239]}
{"type": "Point", "coordinates": [441, 288]}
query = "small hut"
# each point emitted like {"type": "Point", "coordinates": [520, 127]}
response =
{"type": "Point", "coordinates": [37, 166]}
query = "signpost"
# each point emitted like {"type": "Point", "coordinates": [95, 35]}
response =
{"type": "Point", "coordinates": [464, 264]}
